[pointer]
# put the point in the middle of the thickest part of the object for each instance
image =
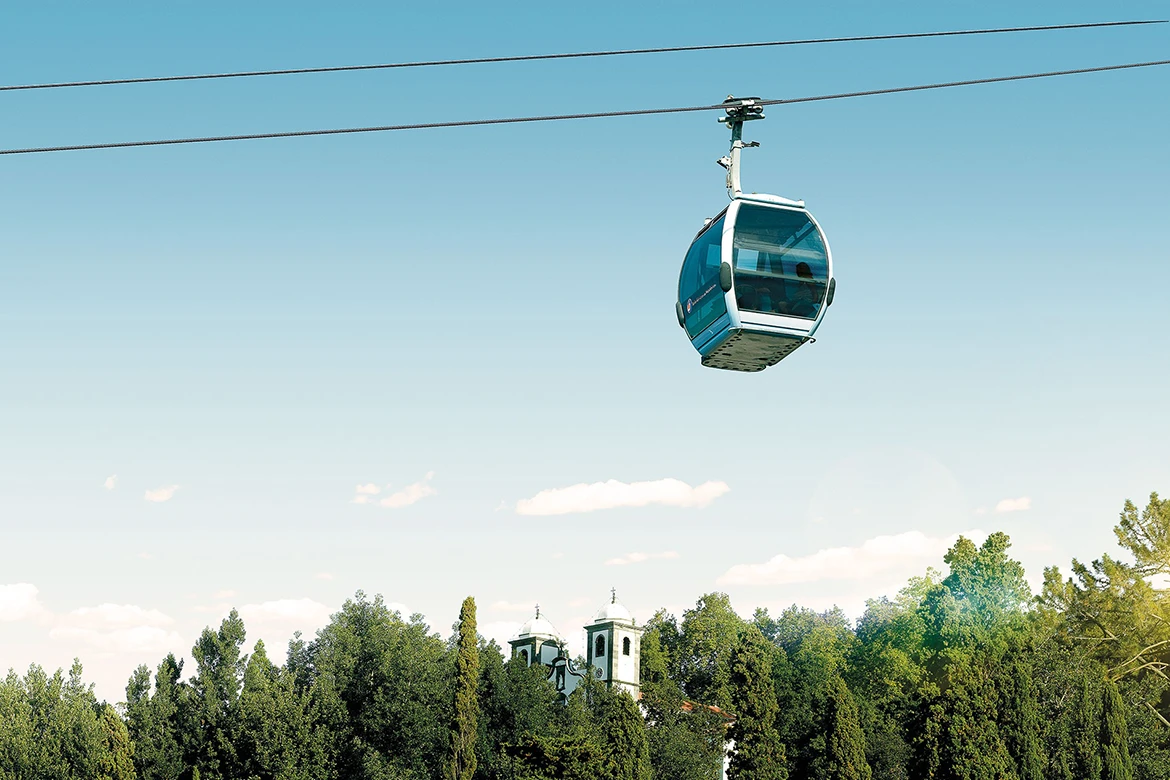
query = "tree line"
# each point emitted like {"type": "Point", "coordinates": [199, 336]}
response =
{"type": "Point", "coordinates": [963, 675]}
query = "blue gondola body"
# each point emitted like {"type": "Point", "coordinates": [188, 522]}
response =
{"type": "Point", "coordinates": [755, 283]}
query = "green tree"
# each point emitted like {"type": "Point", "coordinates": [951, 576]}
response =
{"type": "Point", "coordinates": [1115, 761]}
{"type": "Point", "coordinates": [392, 680]}
{"type": "Point", "coordinates": [1114, 609]}
{"type": "Point", "coordinates": [1019, 719]}
{"type": "Point", "coordinates": [758, 752]}
{"type": "Point", "coordinates": [1085, 729]}
{"type": "Point", "coordinates": [50, 727]}
{"type": "Point", "coordinates": [515, 701]}
{"type": "Point", "coordinates": [213, 717]}
{"type": "Point", "coordinates": [154, 722]}
{"type": "Point", "coordinates": [956, 734]}
{"type": "Point", "coordinates": [970, 620]}
{"type": "Point", "coordinates": [117, 762]}
{"type": "Point", "coordinates": [623, 738]}
{"type": "Point", "coordinates": [814, 651]}
{"type": "Point", "coordinates": [844, 742]}
{"type": "Point", "coordinates": [466, 708]}
{"type": "Point", "coordinates": [685, 740]}
{"type": "Point", "coordinates": [708, 634]}
{"type": "Point", "coordinates": [278, 733]}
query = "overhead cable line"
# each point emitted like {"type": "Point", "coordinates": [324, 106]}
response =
{"type": "Point", "coordinates": [571, 55]}
{"type": "Point", "coordinates": [562, 117]}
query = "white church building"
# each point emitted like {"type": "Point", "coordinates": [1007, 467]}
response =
{"type": "Point", "coordinates": [613, 650]}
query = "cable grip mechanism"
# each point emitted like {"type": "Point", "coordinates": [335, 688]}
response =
{"type": "Point", "coordinates": [738, 110]}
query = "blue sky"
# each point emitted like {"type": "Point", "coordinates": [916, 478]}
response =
{"type": "Point", "coordinates": [269, 325]}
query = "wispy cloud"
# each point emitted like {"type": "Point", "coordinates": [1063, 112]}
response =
{"type": "Point", "coordinates": [362, 493]}
{"type": "Point", "coordinates": [907, 553]}
{"type": "Point", "coordinates": [613, 494]}
{"type": "Point", "coordinates": [158, 495]}
{"type": "Point", "coordinates": [1020, 504]}
{"type": "Point", "coordinates": [640, 557]}
{"type": "Point", "coordinates": [410, 494]}
{"type": "Point", "coordinates": [111, 482]}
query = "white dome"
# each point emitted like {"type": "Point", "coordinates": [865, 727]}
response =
{"type": "Point", "coordinates": [538, 627]}
{"type": "Point", "coordinates": [613, 611]}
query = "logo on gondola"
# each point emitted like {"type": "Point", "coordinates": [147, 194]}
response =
{"type": "Point", "coordinates": [689, 300]}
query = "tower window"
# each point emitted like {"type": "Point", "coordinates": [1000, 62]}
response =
{"type": "Point", "coordinates": [524, 655]}
{"type": "Point", "coordinates": [625, 645]}
{"type": "Point", "coordinates": [599, 646]}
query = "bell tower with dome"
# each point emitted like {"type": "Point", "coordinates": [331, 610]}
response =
{"type": "Point", "coordinates": [538, 641]}
{"type": "Point", "coordinates": [613, 647]}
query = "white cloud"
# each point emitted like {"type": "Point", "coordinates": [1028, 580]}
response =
{"type": "Point", "coordinates": [369, 489]}
{"type": "Point", "coordinates": [111, 482]}
{"type": "Point", "coordinates": [146, 556]}
{"type": "Point", "coordinates": [19, 602]}
{"type": "Point", "coordinates": [161, 494]}
{"type": "Point", "coordinates": [1020, 504]}
{"type": "Point", "coordinates": [224, 594]}
{"type": "Point", "coordinates": [639, 557]}
{"type": "Point", "coordinates": [322, 575]}
{"type": "Point", "coordinates": [118, 629]}
{"type": "Point", "coordinates": [884, 556]}
{"type": "Point", "coordinates": [612, 494]}
{"type": "Point", "coordinates": [107, 616]}
{"type": "Point", "coordinates": [410, 494]}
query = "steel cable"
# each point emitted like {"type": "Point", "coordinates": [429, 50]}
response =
{"type": "Point", "coordinates": [565, 117]}
{"type": "Point", "coordinates": [571, 55]}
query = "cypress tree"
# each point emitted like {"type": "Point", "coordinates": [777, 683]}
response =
{"type": "Point", "coordinates": [1116, 763]}
{"type": "Point", "coordinates": [1084, 730]}
{"type": "Point", "coordinates": [463, 726]}
{"type": "Point", "coordinates": [1020, 718]}
{"type": "Point", "coordinates": [758, 752]}
{"type": "Point", "coordinates": [844, 740]}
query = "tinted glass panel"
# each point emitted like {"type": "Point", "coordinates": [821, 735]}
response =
{"type": "Point", "coordinates": [698, 285]}
{"type": "Point", "coordinates": [780, 262]}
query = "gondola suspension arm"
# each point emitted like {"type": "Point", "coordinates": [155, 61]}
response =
{"type": "Point", "coordinates": [739, 110]}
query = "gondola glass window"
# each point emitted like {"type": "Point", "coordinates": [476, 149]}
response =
{"type": "Point", "coordinates": [698, 285]}
{"type": "Point", "coordinates": [779, 260]}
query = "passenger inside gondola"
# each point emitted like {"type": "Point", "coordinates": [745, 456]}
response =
{"type": "Point", "coordinates": [805, 298]}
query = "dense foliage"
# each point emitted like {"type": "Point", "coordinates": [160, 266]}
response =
{"type": "Point", "coordinates": [967, 676]}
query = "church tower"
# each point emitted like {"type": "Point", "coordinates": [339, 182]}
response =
{"type": "Point", "coordinates": [613, 647]}
{"type": "Point", "coordinates": [538, 641]}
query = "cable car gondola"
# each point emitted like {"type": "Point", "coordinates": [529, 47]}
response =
{"type": "Point", "coordinates": [758, 277]}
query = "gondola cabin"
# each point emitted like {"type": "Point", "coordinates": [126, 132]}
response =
{"type": "Point", "coordinates": [755, 283]}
